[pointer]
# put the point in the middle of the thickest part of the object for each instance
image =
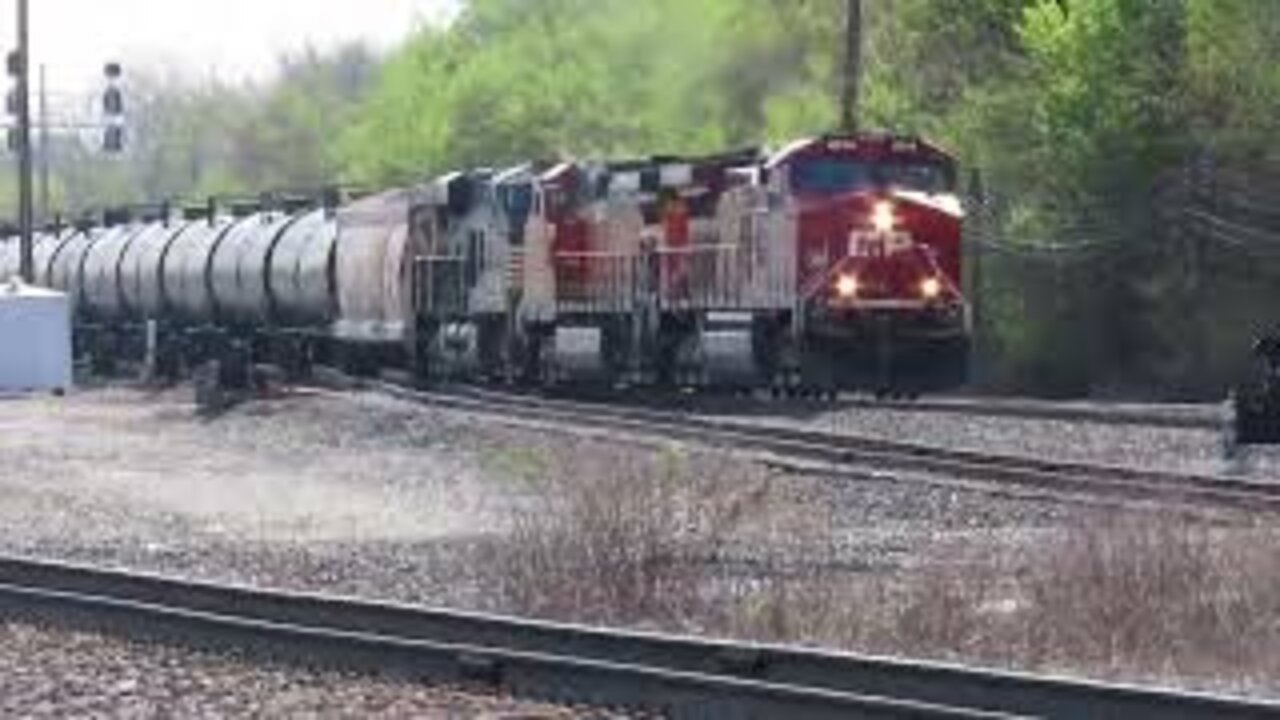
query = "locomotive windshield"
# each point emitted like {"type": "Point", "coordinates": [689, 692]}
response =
{"type": "Point", "coordinates": [831, 174]}
{"type": "Point", "coordinates": [516, 200]}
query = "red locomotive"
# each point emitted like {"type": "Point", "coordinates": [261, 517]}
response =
{"type": "Point", "coordinates": [876, 225]}
{"type": "Point", "coordinates": [832, 264]}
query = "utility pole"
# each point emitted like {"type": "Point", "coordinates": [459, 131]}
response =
{"type": "Point", "coordinates": [45, 148]}
{"type": "Point", "coordinates": [852, 66]}
{"type": "Point", "coordinates": [22, 76]}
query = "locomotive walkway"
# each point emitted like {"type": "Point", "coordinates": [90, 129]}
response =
{"type": "Point", "coordinates": [664, 675]}
{"type": "Point", "coordinates": [852, 455]}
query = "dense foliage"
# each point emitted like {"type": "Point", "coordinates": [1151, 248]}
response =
{"type": "Point", "coordinates": [1124, 236]}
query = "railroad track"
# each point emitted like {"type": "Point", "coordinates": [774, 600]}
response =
{"type": "Point", "coordinates": [1177, 416]}
{"type": "Point", "coordinates": [818, 449]}
{"type": "Point", "coordinates": [1184, 417]}
{"type": "Point", "coordinates": [657, 674]}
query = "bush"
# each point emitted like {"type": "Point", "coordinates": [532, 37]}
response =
{"type": "Point", "coordinates": [709, 545]}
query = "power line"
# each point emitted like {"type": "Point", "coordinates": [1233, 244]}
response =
{"type": "Point", "coordinates": [1258, 234]}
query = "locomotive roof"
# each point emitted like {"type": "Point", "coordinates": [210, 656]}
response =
{"type": "Point", "coordinates": [874, 144]}
{"type": "Point", "coordinates": [518, 173]}
{"type": "Point", "coordinates": [730, 158]}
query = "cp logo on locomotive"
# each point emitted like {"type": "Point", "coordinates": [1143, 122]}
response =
{"type": "Point", "coordinates": [875, 243]}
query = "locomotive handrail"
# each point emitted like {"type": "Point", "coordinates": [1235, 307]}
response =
{"type": "Point", "coordinates": [594, 280]}
{"type": "Point", "coordinates": [593, 254]}
{"type": "Point", "coordinates": [694, 248]}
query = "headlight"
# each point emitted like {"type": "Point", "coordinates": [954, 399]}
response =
{"type": "Point", "coordinates": [847, 286]}
{"type": "Point", "coordinates": [882, 218]}
{"type": "Point", "coordinates": [930, 288]}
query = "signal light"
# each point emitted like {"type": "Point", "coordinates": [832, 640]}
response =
{"type": "Point", "coordinates": [113, 139]}
{"type": "Point", "coordinates": [113, 102]}
{"type": "Point", "coordinates": [13, 140]}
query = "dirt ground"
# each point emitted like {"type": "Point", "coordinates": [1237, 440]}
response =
{"type": "Point", "coordinates": [135, 474]}
{"type": "Point", "coordinates": [298, 468]}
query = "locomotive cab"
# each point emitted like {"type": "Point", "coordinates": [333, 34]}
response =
{"type": "Point", "coordinates": [877, 233]}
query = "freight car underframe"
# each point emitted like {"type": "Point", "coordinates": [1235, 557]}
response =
{"type": "Point", "coordinates": [173, 349]}
{"type": "Point", "coordinates": [888, 353]}
{"type": "Point", "coordinates": [679, 319]}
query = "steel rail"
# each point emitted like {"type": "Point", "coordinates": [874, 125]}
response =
{"type": "Point", "coordinates": [1171, 416]}
{"type": "Point", "coordinates": [1178, 417]}
{"type": "Point", "coordinates": [678, 677]}
{"type": "Point", "coordinates": [844, 450]}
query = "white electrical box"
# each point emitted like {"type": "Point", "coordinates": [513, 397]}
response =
{"type": "Point", "coordinates": [35, 338]}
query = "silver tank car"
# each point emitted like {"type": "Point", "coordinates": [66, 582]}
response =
{"type": "Point", "coordinates": [67, 271]}
{"type": "Point", "coordinates": [9, 260]}
{"type": "Point", "coordinates": [140, 269]}
{"type": "Point", "coordinates": [301, 276]}
{"type": "Point", "coordinates": [239, 272]}
{"type": "Point", "coordinates": [45, 253]}
{"type": "Point", "coordinates": [101, 272]}
{"type": "Point", "coordinates": [186, 269]}
{"type": "Point", "coordinates": [44, 246]}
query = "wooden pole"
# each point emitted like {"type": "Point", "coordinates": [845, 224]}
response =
{"type": "Point", "coordinates": [852, 77]}
{"type": "Point", "coordinates": [45, 149]}
{"type": "Point", "coordinates": [25, 210]}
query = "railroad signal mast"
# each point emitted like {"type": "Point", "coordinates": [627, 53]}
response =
{"type": "Point", "coordinates": [18, 134]}
{"type": "Point", "coordinates": [111, 122]}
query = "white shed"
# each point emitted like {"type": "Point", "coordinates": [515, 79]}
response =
{"type": "Point", "coordinates": [35, 338]}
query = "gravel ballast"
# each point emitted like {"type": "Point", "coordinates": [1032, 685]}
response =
{"type": "Point", "coordinates": [1192, 450]}
{"type": "Point", "coordinates": [53, 673]}
{"type": "Point", "coordinates": [364, 495]}
{"type": "Point", "coordinates": [367, 495]}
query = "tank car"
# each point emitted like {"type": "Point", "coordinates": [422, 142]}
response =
{"type": "Point", "coordinates": [46, 243]}
{"type": "Point", "coordinates": [371, 268]}
{"type": "Point", "coordinates": [197, 285]}
{"type": "Point", "coordinates": [10, 262]}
